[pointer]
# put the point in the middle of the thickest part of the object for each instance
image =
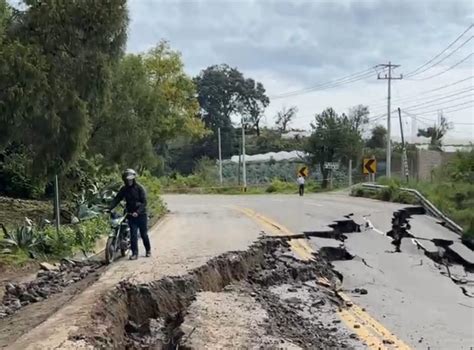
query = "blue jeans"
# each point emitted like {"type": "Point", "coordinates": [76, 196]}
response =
{"type": "Point", "coordinates": [140, 223]}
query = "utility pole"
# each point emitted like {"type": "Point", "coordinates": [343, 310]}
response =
{"type": "Point", "coordinates": [389, 78]}
{"type": "Point", "coordinates": [404, 150]}
{"type": "Point", "coordinates": [244, 170]}
{"type": "Point", "coordinates": [220, 154]}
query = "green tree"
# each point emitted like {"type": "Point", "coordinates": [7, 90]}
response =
{"type": "Point", "coordinates": [223, 92]}
{"type": "Point", "coordinates": [55, 65]}
{"type": "Point", "coordinates": [5, 14]}
{"type": "Point", "coordinates": [378, 138]}
{"type": "Point", "coordinates": [335, 138]}
{"type": "Point", "coordinates": [152, 101]}
{"type": "Point", "coordinates": [436, 133]}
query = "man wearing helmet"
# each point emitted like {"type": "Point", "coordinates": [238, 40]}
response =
{"type": "Point", "coordinates": [135, 198]}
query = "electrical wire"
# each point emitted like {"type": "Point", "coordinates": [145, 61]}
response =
{"type": "Point", "coordinates": [439, 54]}
{"type": "Point", "coordinates": [446, 70]}
{"type": "Point", "coordinates": [399, 99]}
{"type": "Point", "coordinates": [462, 92]}
{"type": "Point", "coordinates": [443, 59]}
{"type": "Point", "coordinates": [428, 105]}
{"type": "Point", "coordinates": [445, 108]}
{"type": "Point", "coordinates": [327, 85]}
{"type": "Point", "coordinates": [417, 117]}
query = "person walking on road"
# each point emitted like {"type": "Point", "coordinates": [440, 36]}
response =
{"type": "Point", "coordinates": [300, 182]}
{"type": "Point", "coordinates": [135, 198]}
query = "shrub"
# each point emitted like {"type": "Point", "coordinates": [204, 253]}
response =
{"type": "Point", "coordinates": [152, 184]}
{"type": "Point", "coordinates": [358, 191]}
{"type": "Point", "coordinates": [89, 231]}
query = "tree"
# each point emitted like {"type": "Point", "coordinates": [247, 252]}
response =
{"type": "Point", "coordinates": [152, 101]}
{"type": "Point", "coordinates": [5, 14]}
{"type": "Point", "coordinates": [436, 134]}
{"type": "Point", "coordinates": [255, 101]}
{"type": "Point", "coordinates": [55, 64]}
{"type": "Point", "coordinates": [358, 116]}
{"type": "Point", "coordinates": [223, 93]}
{"type": "Point", "coordinates": [378, 139]}
{"type": "Point", "coordinates": [334, 138]}
{"type": "Point", "coordinates": [284, 118]}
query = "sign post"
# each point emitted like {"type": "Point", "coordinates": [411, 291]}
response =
{"type": "Point", "coordinates": [370, 168]}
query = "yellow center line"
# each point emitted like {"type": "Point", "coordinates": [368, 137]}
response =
{"type": "Point", "coordinates": [370, 331]}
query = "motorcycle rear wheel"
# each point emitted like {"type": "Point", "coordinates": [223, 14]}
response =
{"type": "Point", "coordinates": [110, 249]}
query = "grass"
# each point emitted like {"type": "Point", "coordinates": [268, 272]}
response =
{"type": "Point", "coordinates": [454, 199]}
{"type": "Point", "coordinates": [275, 187]}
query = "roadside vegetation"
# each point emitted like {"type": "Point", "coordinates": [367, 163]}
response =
{"type": "Point", "coordinates": [451, 190]}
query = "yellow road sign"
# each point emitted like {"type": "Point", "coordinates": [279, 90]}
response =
{"type": "Point", "coordinates": [370, 166]}
{"type": "Point", "coordinates": [303, 171]}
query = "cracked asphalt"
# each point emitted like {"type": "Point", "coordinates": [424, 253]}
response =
{"type": "Point", "coordinates": [393, 300]}
{"type": "Point", "coordinates": [409, 294]}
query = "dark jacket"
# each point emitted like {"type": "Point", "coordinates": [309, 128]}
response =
{"type": "Point", "coordinates": [135, 198]}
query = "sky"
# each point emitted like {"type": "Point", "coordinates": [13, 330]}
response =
{"type": "Point", "coordinates": [293, 45]}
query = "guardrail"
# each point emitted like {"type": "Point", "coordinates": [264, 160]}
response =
{"type": "Point", "coordinates": [430, 207]}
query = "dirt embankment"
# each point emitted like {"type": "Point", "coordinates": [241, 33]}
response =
{"type": "Point", "coordinates": [13, 210]}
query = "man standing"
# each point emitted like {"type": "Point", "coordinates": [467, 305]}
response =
{"type": "Point", "coordinates": [300, 182]}
{"type": "Point", "coordinates": [135, 198]}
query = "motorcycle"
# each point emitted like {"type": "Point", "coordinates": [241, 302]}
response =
{"type": "Point", "coordinates": [119, 237]}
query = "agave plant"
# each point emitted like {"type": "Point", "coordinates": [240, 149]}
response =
{"type": "Point", "coordinates": [20, 238]}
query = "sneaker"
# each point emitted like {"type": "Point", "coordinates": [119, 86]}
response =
{"type": "Point", "coordinates": [133, 257]}
{"type": "Point", "coordinates": [148, 254]}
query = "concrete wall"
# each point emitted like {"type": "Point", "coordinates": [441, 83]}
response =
{"type": "Point", "coordinates": [427, 161]}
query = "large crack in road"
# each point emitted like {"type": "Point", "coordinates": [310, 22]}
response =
{"type": "Point", "coordinates": [145, 316]}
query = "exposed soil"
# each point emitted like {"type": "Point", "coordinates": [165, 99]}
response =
{"type": "Point", "coordinates": [27, 304]}
{"type": "Point", "coordinates": [150, 316]}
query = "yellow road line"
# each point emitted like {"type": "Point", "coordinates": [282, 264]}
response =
{"type": "Point", "coordinates": [371, 332]}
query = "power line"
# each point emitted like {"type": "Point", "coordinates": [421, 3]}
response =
{"type": "Point", "coordinates": [425, 105]}
{"type": "Point", "coordinates": [411, 99]}
{"type": "Point", "coordinates": [329, 84]}
{"type": "Point", "coordinates": [443, 59]}
{"type": "Point", "coordinates": [442, 98]}
{"type": "Point", "coordinates": [423, 92]}
{"type": "Point", "coordinates": [447, 70]}
{"type": "Point", "coordinates": [418, 117]}
{"type": "Point", "coordinates": [439, 54]}
{"type": "Point", "coordinates": [445, 108]}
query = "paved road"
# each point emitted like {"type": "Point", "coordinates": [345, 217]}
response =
{"type": "Point", "coordinates": [407, 293]}
{"type": "Point", "coordinates": [409, 302]}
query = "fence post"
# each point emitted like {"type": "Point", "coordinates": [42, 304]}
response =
{"type": "Point", "coordinates": [56, 203]}
{"type": "Point", "coordinates": [350, 172]}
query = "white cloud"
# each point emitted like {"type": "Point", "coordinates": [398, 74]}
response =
{"type": "Point", "coordinates": [290, 45]}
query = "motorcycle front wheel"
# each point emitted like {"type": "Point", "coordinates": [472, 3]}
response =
{"type": "Point", "coordinates": [110, 250]}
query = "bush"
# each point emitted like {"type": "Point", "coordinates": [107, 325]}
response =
{"type": "Point", "coordinates": [15, 174]}
{"type": "Point", "coordinates": [358, 191]}
{"type": "Point", "coordinates": [89, 231]}
{"type": "Point", "coordinates": [152, 184]}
